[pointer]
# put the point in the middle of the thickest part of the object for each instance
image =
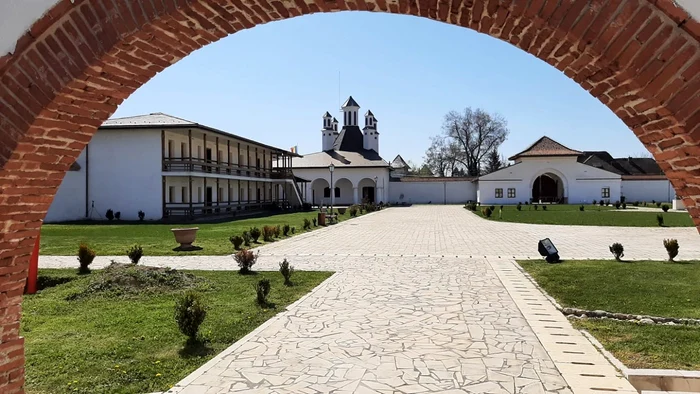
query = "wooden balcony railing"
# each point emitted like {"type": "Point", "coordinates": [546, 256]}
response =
{"type": "Point", "coordinates": [212, 167]}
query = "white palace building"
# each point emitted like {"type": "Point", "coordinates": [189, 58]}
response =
{"type": "Point", "coordinates": [171, 168]}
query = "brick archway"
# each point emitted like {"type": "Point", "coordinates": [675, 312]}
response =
{"type": "Point", "coordinates": [73, 67]}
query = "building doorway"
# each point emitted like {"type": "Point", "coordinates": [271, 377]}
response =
{"type": "Point", "coordinates": [208, 159]}
{"type": "Point", "coordinates": [208, 200]}
{"type": "Point", "coordinates": [548, 188]}
{"type": "Point", "coordinates": [368, 194]}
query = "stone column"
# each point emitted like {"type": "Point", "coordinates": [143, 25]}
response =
{"type": "Point", "coordinates": [355, 195]}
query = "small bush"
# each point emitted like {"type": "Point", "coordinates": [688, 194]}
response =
{"type": "Point", "coordinates": [285, 229]}
{"type": "Point", "coordinates": [493, 208]}
{"type": "Point", "coordinates": [617, 250]}
{"type": "Point", "coordinates": [601, 202]}
{"type": "Point", "coordinates": [658, 205]}
{"type": "Point", "coordinates": [142, 215]}
{"type": "Point", "coordinates": [353, 211]}
{"type": "Point", "coordinates": [135, 253]}
{"type": "Point", "coordinates": [246, 238]}
{"type": "Point", "coordinates": [118, 215]}
{"type": "Point", "coordinates": [286, 270]}
{"type": "Point", "coordinates": [653, 202]}
{"type": "Point", "coordinates": [636, 203]}
{"type": "Point", "coordinates": [624, 205]}
{"type": "Point", "coordinates": [294, 229]}
{"type": "Point", "coordinates": [665, 207]}
{"type": "Point", "coordinates": [660, 219]}
{"type": "Point", "coordinates": [536, 206]}
{"type": "Point", "coordinates": [519, 207]}
{"type": "Point", "coordinates": [617, 205]}
{"type": "Point", "coordinates": [307, 224]}
{"type": "Point", "coordinates": [268, 233]}
{"type": "Point", "coordinates": [581, 208]}
{"type": "Point", "coordinates": [237, 241]}
{"type": "Point", "coordinates": [278, 231]}
{"type": "Point", "coordinates": [544, 207]}
{"type": "Point", "coordinates": [255, 233]}
{"type": "Point", "coordinates": [109, 215]}
{"type": "Point", "coordinates": [85, 257]}
{"type": "Point", "coordinates": [315, 222]}
{"type": "Point", "coordinates": [594, 202]}
{"type": "Point", "coordinates": [245, 259]}
{"type": "Point", "coordinates": [671, 246]}
{"type": "Point", "coordinates": [471, 206]}
{"type": "Point", "coordinates": [486, 212]}
{"type": "Point", "coordinates": [262, 289]}
{"type": "Point", "coordinates": [190, 312]}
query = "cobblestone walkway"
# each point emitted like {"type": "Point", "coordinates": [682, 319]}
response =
{"type": "Point", "coordinates": [424, 299]}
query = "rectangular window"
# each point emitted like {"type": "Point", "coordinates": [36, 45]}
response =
{"type": "Point", "coordinates": [511, 192]}
{"type": "Point", "coordinates": [171, 194]}
{"type": "Point", "coordinates": [171, 149]}
{"type": "Point", "coordinates": [183, 194]}
{"type": "Point", "coordinates": [219, 155]}
{"type": "Point", "coordinates": [605, 193]}
{"type": "Point", "coordinates": [499, 193]}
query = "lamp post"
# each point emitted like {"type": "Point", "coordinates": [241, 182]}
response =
{"type": "Point", "coordinates": [331, 168]}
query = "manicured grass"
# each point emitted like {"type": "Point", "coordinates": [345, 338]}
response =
{"type": "Point", "coordinates": [648, 287]}
{"type": "Point", "coordinates": [112, 239]}
{"type": "Point", "coordinates": [593, 215]}
{"type": "Point", "coordinates": [640, 287]}
{"type": "Point", "coordinates": [647, 346]}
{"type": "Point", "coordinates": [115, 345]}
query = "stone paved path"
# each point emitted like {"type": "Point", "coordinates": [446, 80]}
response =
{"type": "Point", "coordinates": [415, 306]}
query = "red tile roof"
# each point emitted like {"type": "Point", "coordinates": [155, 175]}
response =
{"type": "Point", "coordinates": [546, 146]}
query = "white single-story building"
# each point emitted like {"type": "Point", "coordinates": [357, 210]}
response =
{"type": "Point", "coordinates": [549, 172]}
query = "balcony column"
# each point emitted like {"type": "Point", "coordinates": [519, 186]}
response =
{"type": "Point", "coordinates": [218, 159]}
{"type": "Point", "coordinates": [355, 195]}
{"type": "Point", "coordinates": [189, 146]}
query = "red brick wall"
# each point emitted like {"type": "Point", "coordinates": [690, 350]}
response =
{"type": "Point", "coordinates": [79, 61]}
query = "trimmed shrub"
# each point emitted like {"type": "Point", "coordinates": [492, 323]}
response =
{"type": "Point", "coordinates": [285, 229]}
{"type": "Point", "coordinates": [581, 208]}
{"type": "Point", "coordinates": [617, 250]}
{"type": "Point", "coordinates": [237, 241]}
{"type": "Point", "coordinates": [658, 205]}
{"type": "Point", "coordinates": [617, 205]}
{"type": "Point", "coordinates": [353, 211]}
{"type": "Point", "coordinates": [624, 205]}
{"type": "Point", "coordinates": [315, 222]}
{"type": "Point", "coordinates": [246, 238]}
{"type": "Point", "coordinates": [278, 231]}
{"type": "Point", "coordinates": [470, 206]}
{"type": "Point", "coordinates": [268, 233]}
{"type": "Point", "coordinates": [190, 312]}
{"type": "Point", "coordinates": [245, 259]}
{"type": "Point", "coordinates": [486, 212]}
{"type": "Point", "coordinates": [536, 206]}
{"type": "Point", "coordinates": [493, 208]}
{"type": "Point", "coordinates": [109, 215]}
{"type": "Point", "coordinates": [286, 270]}
{"type": "Point", "coordinates": [307, 224]}
{"type": "Point", "coordinates": [671, 246]}
{"type": "Point", "coordinates": [85, 257]}
{"type": "Point", "coordinates": [519, 207]}
{"type": "Point", "coordinates": [601, 202]}
{"type": "Point", "coordinates": [135, 253]}
{"type": "Point", "coordinates": [544, 207]}
{"type": "Point", "coordinates": [665, 207]}
{"type": "Point", "coordinates": [660, 219]}
{"type": "Point", "coordinates": [594, 202]}
{"type": "Point", "coordinates": [142, 215]}
{"type": "Point", "coordinates": [255, 234]}
{"type": "Point", "coordinates": [262, 289]}
{"type": "Point", "coordinates": [294, 229]}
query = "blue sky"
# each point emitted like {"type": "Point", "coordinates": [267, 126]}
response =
{"type": "Point", "coordinates": [272, 83]}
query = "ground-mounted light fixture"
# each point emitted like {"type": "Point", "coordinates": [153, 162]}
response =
{"type": "Point", "coordinates": [548, 250]}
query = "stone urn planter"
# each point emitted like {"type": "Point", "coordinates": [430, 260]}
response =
{"type": "Point", "coordinates": [185, 237]}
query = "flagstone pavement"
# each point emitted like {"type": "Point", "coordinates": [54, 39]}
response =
{"type": "Point", "coordinates": [423, 299]}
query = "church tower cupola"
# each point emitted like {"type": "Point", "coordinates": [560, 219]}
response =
{"type": "Point", "coordinates": [334, 123]}
{"type": "Point", "coordinates": [350, 109]}
{"type": "Point", "coordinates": [327, 133]}
{"type": "Point", "coordinates": [370, 136]}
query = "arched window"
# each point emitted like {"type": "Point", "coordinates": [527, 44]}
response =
{"type": "Point", "coordinates": [326, 192]}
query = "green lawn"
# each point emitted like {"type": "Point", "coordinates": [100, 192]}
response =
{"type": "Point", "coordinates": [593, 215]}
{"type": "Point", "coordinates": [646, 287]}
{"type": "Point", "coordinates": [639, 346]}
{"type": "Point", "coordinates": [132, 345]}
{"type": "Point", "coordinates": [110, 239]}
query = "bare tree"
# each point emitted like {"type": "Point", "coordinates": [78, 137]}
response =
{"type": "Point", "coordinates": [436, 157]}
{"type": "Point", "coordinates": [474, 134]}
